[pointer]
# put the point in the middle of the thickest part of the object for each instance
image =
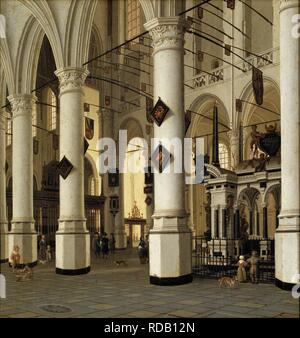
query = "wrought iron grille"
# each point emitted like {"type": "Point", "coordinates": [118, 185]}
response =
{"type": "Point", "coordinates": [215, 258]}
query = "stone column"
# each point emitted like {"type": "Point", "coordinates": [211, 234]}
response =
{"type": "Point", "coordinates": [72, 237]}
{"type": "Point", "coordinates": [170, 239]}
{"type": "Point", "coordinates": [222, 222]}
{"type": "Point", "coordinates": [23, 231]}
{"type": "Point", "coordinates": [149, 213]}
{"type": "Point", "coordinates": [112, 223]}
{"type": "Point", "coordinates": [214, 222]}
{"type": "Point", "coordinates": [251, 219]}
{"type": "Point", "coordinates": [265, 222]}
{"type": "Point", "coordinates": [119, 226]}
{"type": "Point", "coordinates": [234, 148]}
{"type": "Point", "coordinates": [3, 217]}
{"type": "Point", "coordinates": [236, 225]}
{"type": "Point", "coordinates": [107, 123]}
{"type": "Point", "coordinates": [257, 231]}
{"type": "Point", "coordinates": [287, 237]}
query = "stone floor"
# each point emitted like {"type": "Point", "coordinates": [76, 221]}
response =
{"type": "Point", "coordinates": [109, 291]}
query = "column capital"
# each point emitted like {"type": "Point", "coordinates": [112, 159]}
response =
{"type": "Point", "coordinates": [21, 104]}
{"type": "Point", "coordinates": [285, 4]}
{"type": "Point", "coordinates": [71, 78]}
{"type": "Point", "coordinates": [167, 32]}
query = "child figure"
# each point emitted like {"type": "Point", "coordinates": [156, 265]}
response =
{"type": "Point", "coordinates": [241, 272]}
{"type": "Point", "coordinates": [14, 259]}
{"type": "Point", "coordinates": [48, 254]}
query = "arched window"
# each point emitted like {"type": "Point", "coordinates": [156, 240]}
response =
{"type": "Point", "coordinates": [223, 156]}
{"type": "Point", "coordinates": [9, 132]}
{"type": "Point", "coordinates": [133, 18]}
{"type": "Point", "coordinates": [34, 120]}
{"type": "Point", "coordinates": [52, 118]}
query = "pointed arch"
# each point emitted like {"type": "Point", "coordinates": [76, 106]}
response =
{"type": "Point", "coordinates": [6, 63]}
{"type": "Point", "coordinates": [42, 12]}
{"type": "Point", "coordinates": [148, 9]}
{"type": "Point", "coordinates": [133, 127]}
{"type": "Point", "coordinates": [82, 13]}
{"type": "Point", "coordinates": [2, 87]}
{"type": "Point", "coordinates": [28, 55]}
{"type": "Point", "coordinates": [88, 158]}
{"type": "Point", "coordinates": [206, 102]}
{"type": "Point", "coordinates": [247, 95]}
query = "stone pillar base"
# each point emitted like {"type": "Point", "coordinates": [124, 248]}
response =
{"type": "Point", "coordinates": [3, 242]}
{"type": "Point", "coordinates": [26, 241]}
{"type": "Point", "coordinates": [287, 251]}
{"type": "Point", "coordinates": [121, 240]}
{"type": "Point", "coordinates": [72, 249]}
{"type": "Point", "coordinates": [170, 253]}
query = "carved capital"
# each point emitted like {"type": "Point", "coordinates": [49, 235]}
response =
{"type": "Point", "coordinates": [167, 32]}
{"type": "Point", "coordinates": [285, 4]}
{"type": "Point", "coordinates": [22, 104]}
{"type": "Point", "coordinates": [71, 78]}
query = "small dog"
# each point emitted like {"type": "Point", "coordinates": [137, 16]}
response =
{"type": "Point", "coordinates": [23, 274]}
{"type": "Point", "coordinates": [119, 263]}
{"type": "Point", "coordinates": [228, 281]}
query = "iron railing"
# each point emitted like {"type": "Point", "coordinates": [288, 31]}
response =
{"type": "Point", "coordinates": [215, 258]}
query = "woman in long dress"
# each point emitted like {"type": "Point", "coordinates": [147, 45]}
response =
{"type": "Point", "coordinates": [241, 272]}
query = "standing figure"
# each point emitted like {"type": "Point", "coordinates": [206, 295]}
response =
{"type": "Point", "coordinates": [15, 257]}
{"type": "Point", "coordinates": [241, 272]}
{"type": "Point", "coordinates": [42, 249]}
{"type": "Point", "coordinates": [254, 269]}
{"type": "Point", "coordinates": [96, 245]}
{"type": "Point", "coordinates": [112, 243]}
{"type": "Point", "coordinates": [49, 254]}
{"type": "Point", "coordinates": [104, 245]}
{"type": "Point", "coordinates": [142, 250]}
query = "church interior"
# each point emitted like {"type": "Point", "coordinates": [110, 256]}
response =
{"type": "Point", "coordinates": [226, 73]}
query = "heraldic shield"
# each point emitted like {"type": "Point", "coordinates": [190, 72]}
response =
{"type": "Point", "coordinates": [258, 85]}
{"type": "Point", "coordinates": [270, 143]}
{"type": "Point", "coordinates": [89, 128]}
